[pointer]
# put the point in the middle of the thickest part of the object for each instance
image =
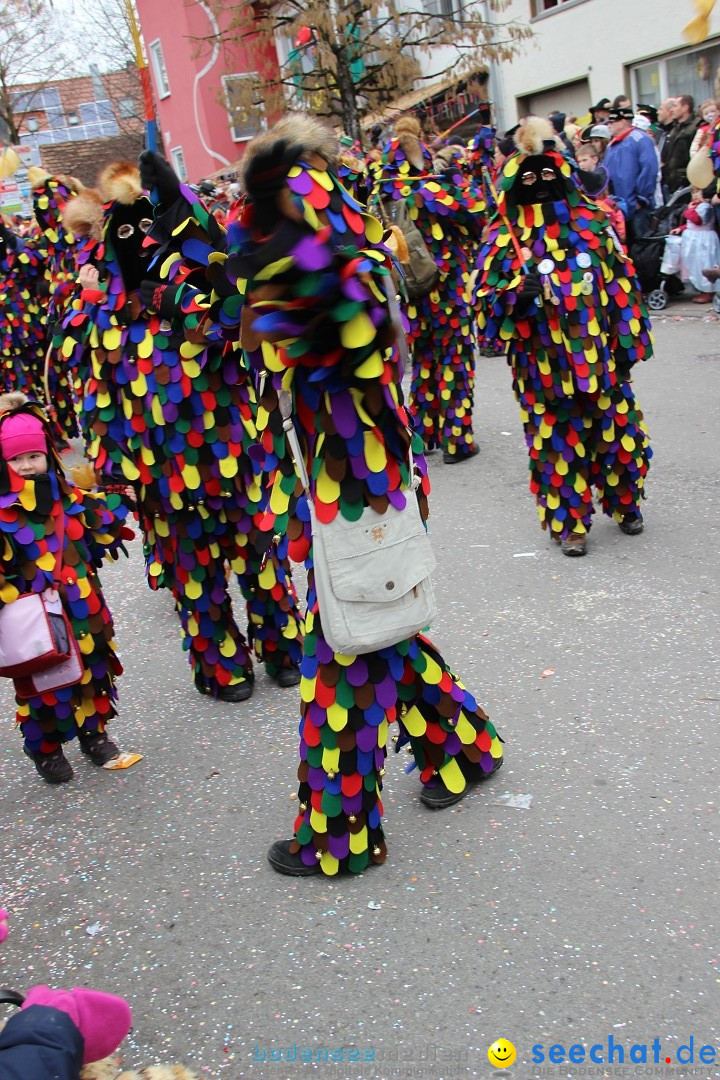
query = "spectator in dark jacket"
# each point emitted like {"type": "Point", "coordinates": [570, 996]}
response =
{"type": "Point", "coordinates": [677, 148]}
{"type": "Point", "coordinates": [632, 163]}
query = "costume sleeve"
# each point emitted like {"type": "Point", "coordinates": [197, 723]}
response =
{"type": "Point", "coordinates": [189, 246]}
{"type": "Point", "coordinates": [100, 517]}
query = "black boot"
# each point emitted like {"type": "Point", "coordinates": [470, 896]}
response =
{"type": "Point", "coordinates": [53, 767]}
{"type": "Point", "coordinates": [286, 676]}
{"type": "Point", "coordinates": [632, 524]}
{"type": "Point", "coordinates": [440, 797]}
{"type": "Point", "coordinates": [285, 861]}
{"type": "Point", "coordinates": [97, 746]}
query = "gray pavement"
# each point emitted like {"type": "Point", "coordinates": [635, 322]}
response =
{"type": "Point", "coordinates": [571, 899]}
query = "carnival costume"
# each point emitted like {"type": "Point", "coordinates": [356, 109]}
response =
{"type": "Point", "coordinates": [165, 411]}
{"type": "Point", "coordinates": [23, 323]}
{"type": "Point", "coordinates": [311, 272]}
{"type": "Point", "coordinates": [571, 340]}
{"type": "Point", "coordinates": [31, 537]}
{"type": "Point", "coordinates": [50, 196]}
{"type": "Point", "coordinates": [448, 209]}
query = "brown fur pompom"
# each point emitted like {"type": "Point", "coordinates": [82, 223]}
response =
{"type": "Point", "coordinates": [83, 215]}
{"type": "Point", "coordinates": [120, 182]}
{"type": "Point", "coordinates": [408, 131]}
{"type": "Point", "coordinates": [12, 400]}
{"type": "Point", "coordinates": [535, 135]}
{"type": "Point", "coordinates": [306, 131]}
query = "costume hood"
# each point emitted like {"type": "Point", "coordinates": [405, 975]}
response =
{"type": "Point", "coordinates": [312, 135]}
{"type": "Point", "coordinates": [83, 215]}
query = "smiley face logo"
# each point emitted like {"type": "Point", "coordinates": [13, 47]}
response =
{"type": "Point", "coordinates": [501, 1054]}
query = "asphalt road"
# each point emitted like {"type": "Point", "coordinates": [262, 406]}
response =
{"type": "Point", "coordinates": [570, 900]}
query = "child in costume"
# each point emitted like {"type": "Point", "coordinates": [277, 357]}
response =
{"type": "Point", "coordinates": [23, 306]}
{"type": "Point", "coordinates": [449, 211]}
{"type": "Point", "coordinates": [555, 288]}
{"type": "Point", "coordinates": [165, 410]}
{"type": "Point", "coordinates": [308, 272]}
{"type": "Point", "coordinates": [39, 511]}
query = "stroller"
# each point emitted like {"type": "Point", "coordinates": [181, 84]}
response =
{"type": "Point", "coordinates": [657, 257]}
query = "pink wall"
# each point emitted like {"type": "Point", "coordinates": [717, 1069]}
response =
{"type": "Point", "coordinates": [192, 116]}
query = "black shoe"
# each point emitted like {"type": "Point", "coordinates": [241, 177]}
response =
{"type": "Point", "coordinates": [53, 767]}
{"type": "Point", "coordinates": [286, 676]}
{"type": "Point", "coordinates": [235, 692]}
{"type": "Point", "coordinates": [97, 746]}
{"type": "Point", "coordinates": [574, 545]}
{"type": "Point", "coordinates": [439, 797]}
{"type": "Point", "coordinates": [282, 859]}
{"type": "Point", "coordinates": [632, 524]}
{"type": "Point", "coordinates": [455, 459]}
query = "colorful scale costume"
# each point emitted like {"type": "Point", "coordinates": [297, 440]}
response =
{"type": "Point", "coordinates": [448, 209]}
{"type": "Point", "coordinates": [23, 323]}
{"type": "Point", "coordinates": [570, 351]}
{"type": "Point", "coordinates": [28, 546]}
{"type": "Point", "coordinates": [315, 317]}
{"type": "Point", "coordinates": [50, 196]}
{"type": "Point", "coordinates": [165, 411]}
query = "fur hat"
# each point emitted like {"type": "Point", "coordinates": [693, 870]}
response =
{"type": "Point", "coordinates": [535, 135]}
{"type": "Point", "coordinates": [120, 182]}
{"type": "Point", "coordinates": [311, 134]}
{"type": "Point", "coordinates": [83, 215]}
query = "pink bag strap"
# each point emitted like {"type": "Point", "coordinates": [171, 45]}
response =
{"type": "Point", "coordinates": [60, 534]}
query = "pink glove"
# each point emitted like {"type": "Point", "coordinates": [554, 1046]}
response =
{"type": "Point", "coordinates": [102, 1019]}
{"type": "Point", "coordinates": [3, 925]}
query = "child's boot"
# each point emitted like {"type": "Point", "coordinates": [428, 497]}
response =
{"type": "Point", "coordinates": [53, 766]}
{"type": "Point", "coordinates": [97, 746]}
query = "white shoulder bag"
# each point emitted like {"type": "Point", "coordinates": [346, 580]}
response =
{"type": "Point", "coordinates": [372, 576]}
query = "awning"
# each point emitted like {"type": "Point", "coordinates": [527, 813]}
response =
{"type": "Point", "coordinates": [424, 93]}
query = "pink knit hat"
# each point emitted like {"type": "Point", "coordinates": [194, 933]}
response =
{"type": "Point", "coordinates": [22, 434]}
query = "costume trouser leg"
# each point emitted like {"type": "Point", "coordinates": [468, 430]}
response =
{"type": "Point", "coordinates": [576, 442]}
{"type": "Point", "coordinates": [444, 373]}
{"type": "Point", "coordinates": [191, 554]}
{"type": "Point", "coordinates": [56, 717]}
{"type": "Point", "coordinates": [622, 452]}
{"type": "Point", "coordinates": [348, 703]}
{"type": "Point", "coordinates": [275, 625]}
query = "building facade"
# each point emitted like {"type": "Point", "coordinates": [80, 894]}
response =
{"type": "Point", "coordinates": [195, 80]}
{"type": "Point", "coordinates": [584, 50]}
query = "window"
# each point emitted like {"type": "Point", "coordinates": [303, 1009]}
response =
{"type": "Point", "coordinates": [540, 7]}
{"type": "Point", "coordinates": [126, 108]}
{"type": "Point", "coordinates": [160, 71]}
{"type": "Point", "coordinates": [244, 109]}
{"type": "Point", "coordinates": [445, 9]}
{"type": "Point", "coordinates": [178, 160]}
{"type": "Point", "coordinates": [647, 84]}
{"type": "Point", "coordinates": [691, 71]}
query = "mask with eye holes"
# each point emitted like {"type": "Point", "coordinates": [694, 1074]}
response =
{"type": "Point", "coordinates": [538, 180]}
{"type": "Point", "coordinates": [126, 230]}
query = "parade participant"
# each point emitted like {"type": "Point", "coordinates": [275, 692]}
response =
{"type": "Point", "coordinates": [312, 273]}
{"type": "Point", "coordinates": [555, 288]}
{"type": "Point", "coordinates": [23, 325]}
{"type": "Point", "coordinates": [449, 211]}
{"type": "Point", "coordinates": [56, 536]}
{"type": "Point", "coordinates": [50, 196]}
{"type": "Point", "coordinates": [166, 411]}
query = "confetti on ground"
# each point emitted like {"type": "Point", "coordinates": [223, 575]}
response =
{"type": "Point", "coordinates": [515, 802]}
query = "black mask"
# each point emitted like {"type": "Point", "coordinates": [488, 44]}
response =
{"type": "Point", "coordinates": [125, 232]}
{"type": "Point", "coordinates": [538, 180]}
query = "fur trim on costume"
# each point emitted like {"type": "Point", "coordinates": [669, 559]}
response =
{"type": "Point", "coordinates": [395, 240]}
{"type": "Point", "coordinates": [535, 135]}
{"type": "Point", "coordinates": [408, 131]}
{"type": "Point", "coordinates": [37, 176]}
{"type": "Point", "coordinates": [83, 476]}
{"type": "Point", "coordinates": [120, 182]}
{"type": "Point", "coordinates": [314, 137]}
{"type": "Point", "coordinates": [11, 401]}
{"type": "Point", "coordinates": [83, 215]}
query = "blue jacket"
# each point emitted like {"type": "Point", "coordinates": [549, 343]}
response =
{"type": "Point", "coordinates": [633, 167]}
{"type": "Point", "coordinates": [40, 1042]}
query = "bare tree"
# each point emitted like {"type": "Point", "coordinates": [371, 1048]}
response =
{"type": "Point", "coordinates": [348, 58]}
{"type": "Point", "coordinates": [30, 53]}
